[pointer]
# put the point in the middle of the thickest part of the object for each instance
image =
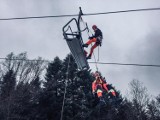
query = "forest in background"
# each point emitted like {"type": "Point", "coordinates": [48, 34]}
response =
{"type": "Point", "coordinates": [34, 90]}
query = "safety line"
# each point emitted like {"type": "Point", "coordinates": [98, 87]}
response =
{"type": "Point", "coordinates": [89, 14]}
{"type": "Point", "coordinates": [98, 53]}
{"type": "Point", "coordinates": [64, 96]}
{"type": "Point", "coordinates": [95, 60]}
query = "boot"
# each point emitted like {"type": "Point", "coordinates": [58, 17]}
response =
{"type": "Point", "coordinates": [85, 45]}
{"type": "Point", "coordinates": [89, 57]}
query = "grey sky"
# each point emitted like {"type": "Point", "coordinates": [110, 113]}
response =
{"type": "Point", "coordinates": [128, 37]}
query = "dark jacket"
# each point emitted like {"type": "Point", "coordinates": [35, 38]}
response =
{"type": "Point", "coordinates": [98, 33]}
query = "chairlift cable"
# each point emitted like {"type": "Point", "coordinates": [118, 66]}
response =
{"type": "Point", "coordinates": [73, 15]}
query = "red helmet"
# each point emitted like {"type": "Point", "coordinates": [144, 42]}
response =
{"type": "Point", "coordinates": [94, 27]}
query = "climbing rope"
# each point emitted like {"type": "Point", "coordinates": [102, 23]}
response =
{"type": "Point", "coordinates": [95, 60]}
{"type": "Point", "coordinates": [98, 54]}
{"type": "Point", "coordinates": [64, 96]}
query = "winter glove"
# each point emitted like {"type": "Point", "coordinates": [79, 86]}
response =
{"type": "Point", "coordinates": [90, 38]}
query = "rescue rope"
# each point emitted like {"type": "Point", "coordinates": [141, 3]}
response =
{"type": "Point", "coordinates": [64, 96]}
{"type": "Point", "coordinates": [98, 54]}
{"type": "Point", "coordinates": [95, 59]}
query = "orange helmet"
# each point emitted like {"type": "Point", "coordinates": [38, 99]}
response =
{"type": "Point", "coordinates": [94, 27]}
{"type": "Point", "coordinates": [98, 80]}
{"type": "Point", "coordinates": [96, 74]}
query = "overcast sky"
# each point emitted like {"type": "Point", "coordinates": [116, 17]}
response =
{"type": "Point", "coordinates": [128, 37]}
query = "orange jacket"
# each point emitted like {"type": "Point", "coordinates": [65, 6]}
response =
{"type": "Point", "coordinates": [99, 82]}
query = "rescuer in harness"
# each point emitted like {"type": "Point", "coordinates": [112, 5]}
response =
{"type": "Point", "coordinates": [96, 38]}
{"type": "Point", "coordinates": [99, 85]}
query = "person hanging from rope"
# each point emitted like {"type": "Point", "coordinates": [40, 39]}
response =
{"type": "Point", "coordinates": [100, 85]}
{"type": "Point", "coordinates": [96, 38]}
{"type": "Point", "coordinates": [97, 89]}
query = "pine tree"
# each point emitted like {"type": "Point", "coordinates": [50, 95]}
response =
{"type": "Point", "coordinates": [78, 87]}
{"type": "Point", "coordinates": [35, 91]}
{"type": "Point", "coordinates": [8, 84]}
{"type": "Point", "coordinates": [50, 101]}
{"type": "Point", "coordinates": [7, 94]}
{"type": "Point", "coordinates": [22, 103]}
